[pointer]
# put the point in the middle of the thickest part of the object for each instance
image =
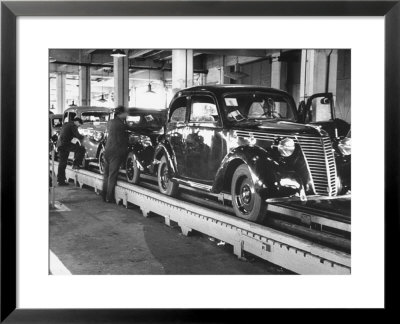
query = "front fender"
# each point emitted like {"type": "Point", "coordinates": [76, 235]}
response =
{"type": "Point", "coordinates": [270, 177]}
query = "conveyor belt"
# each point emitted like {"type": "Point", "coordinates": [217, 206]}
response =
{"type": "Point", "coordinates": [291, 252]}
{"type": "Point", "coordinates": [334, 213]}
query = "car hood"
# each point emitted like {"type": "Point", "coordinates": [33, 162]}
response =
{"type": "Point", "coordinates": [280, 127]}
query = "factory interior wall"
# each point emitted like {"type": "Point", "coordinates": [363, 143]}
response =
{"type": "Point", "coordinates": [259, 73]}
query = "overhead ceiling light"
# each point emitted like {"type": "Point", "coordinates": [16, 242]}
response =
{"type": "Point", "coordinates": [149, 86]}
{"type": "Point", "coordinates": [73, 104]}
{"type": "Point", "coordinates": [102, 99]}
{"type": "Point", "coordinates": [118, 53]}
{"type": "Point", "coordinates": [52, 59]}
{"type": "Point", "coordinates": [149, 89]}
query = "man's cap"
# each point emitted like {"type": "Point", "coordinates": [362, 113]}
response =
{"type": "Point", "coordinates": [119, 110]}
{"type": "Point", "coordinates": [78, 120]}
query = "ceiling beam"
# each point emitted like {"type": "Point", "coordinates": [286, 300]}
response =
{"type": "Point", "coordinates": [233, 52]}
{"type": "Point", "coordinates": [138, 53]}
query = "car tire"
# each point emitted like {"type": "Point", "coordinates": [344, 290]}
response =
{"type": "Point", "coordinates": [246, 203]}
{"type": "Point", "coordinates": [165, 185]}
{"type": "Point", "coordinates": [101, 160]}
{"type": "Point", "coordinates": [132, 170]}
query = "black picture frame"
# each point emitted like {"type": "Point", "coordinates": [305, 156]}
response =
{"type": "Point", "coordinates": [11, 10]}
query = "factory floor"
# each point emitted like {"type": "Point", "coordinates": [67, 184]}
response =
{"type": "Point", "coordinates": [89, 236]}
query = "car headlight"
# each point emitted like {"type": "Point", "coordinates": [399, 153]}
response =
{"type": "Point", "coordinates": [344, 146]}
{"type": "Point", "coordinates": [286, 147]}
{"type": "Point", "coordinates": [145, 140]}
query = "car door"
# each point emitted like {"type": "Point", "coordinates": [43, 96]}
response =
{"type": "Point", "coordinates": [204, 143]}
{"type": "Point", "coordinates": [175, 129]}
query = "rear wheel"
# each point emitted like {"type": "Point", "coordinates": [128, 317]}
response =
{"type": "Point", "coordinates": [165, 185]}
{"type": "Point", "coordinates": [247, 203]}
{"type": "Point", "coordinates": [101, 160]}
{"type": "Point", "coordinates": [132, 170]}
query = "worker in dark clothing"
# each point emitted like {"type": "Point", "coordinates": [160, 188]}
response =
{"type": "Point", "coordinates": [65, 146]}
{"type": "Point", "coordinates": [115, 151]}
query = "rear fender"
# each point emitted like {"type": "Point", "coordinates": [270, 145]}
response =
{"type": "Point", "coordinates": [271, 179]}
{"type": "Point", "coordinates": [164, 149]}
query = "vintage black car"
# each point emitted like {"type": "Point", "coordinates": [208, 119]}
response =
{"type": "Point", "coordinates": [319, 110]}
{"type": "Point", "coordinates": [55, 124]}
{"type": "Point", "coordinates": [146, 127]}
{"type": "Point", "coordinates": [94, 127]}
{"type": "Point", "coordinates": [247, 141]}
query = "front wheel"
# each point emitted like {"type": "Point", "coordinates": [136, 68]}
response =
{"type": "Point", "coordinates": [101, 160]}
{"type": "Point", "coordinates": [247, 203]}
{"type": "Point", "coordinates": [165, 185]}
{"type": "Point", "coordinates": [131, 168]}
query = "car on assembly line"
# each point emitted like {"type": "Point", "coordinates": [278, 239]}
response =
{"type": "Point", "coordinates": [248, 141]}
{"type": "Point", "coordinates": [146, 127]}
{"type": "Point", "coordinates": [55, 124]}
{"type": "Point", "coordinates": [94, 127]}
{"type": "Point", "coordinates": [319, 109]}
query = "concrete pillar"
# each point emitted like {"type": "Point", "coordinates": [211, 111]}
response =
{"type": "Point", "coordinates": [278, 73]}
{"type": "Point", "coordinates": [84, 86]}
{"type": "Point", "coordinates": [182, 69]}
{"type": "Point", "coordinates": [121, 81]}
{"type": "Point", "coordinates": [60, 89]}
{"type": "Point", "coordinates": [316, 76]}
{"type": "Point", "coordinates": [314, 72]}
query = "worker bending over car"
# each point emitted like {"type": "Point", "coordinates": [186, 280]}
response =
{"type": "Point", "coordinates": [69, 131]}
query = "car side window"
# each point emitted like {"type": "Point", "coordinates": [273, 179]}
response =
{"type": "Point", "coordinates": [178, 110]}
{"type": "Point", "coordinates": [71, 116]}
{"type": "Point", "coordinates": [203, 110]}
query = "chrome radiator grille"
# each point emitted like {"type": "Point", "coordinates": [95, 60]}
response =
{"type": "Point", "coordinates": [321, 163]}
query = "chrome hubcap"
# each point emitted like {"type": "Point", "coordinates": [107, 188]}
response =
{"type": "Point", "coordinates": [246, 194]}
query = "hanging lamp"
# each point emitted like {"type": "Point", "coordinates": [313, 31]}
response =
{"type": "Point", "coordinates": [149, 90]}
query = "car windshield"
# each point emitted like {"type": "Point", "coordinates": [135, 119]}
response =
{"type": "Point", "coordinates": [95, 116]}
{"type": "Point", "coordinates": [258, 106]}
{"type": "Point", "coordinates": [145, 120]}
{"type": "Point", "coordinates": [56, 122]}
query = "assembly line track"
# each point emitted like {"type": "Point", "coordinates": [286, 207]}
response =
{"type": "Point", "coordinates": [293, 253]}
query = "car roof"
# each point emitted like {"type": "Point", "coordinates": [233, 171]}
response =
{"type": "Point", "coordinates": [88, 108]}
{"type": "Point", "coordinates": [54, 116]}
{"type": "Point", "coordinates": [223, 88]}
{"type": "Point", "coordinates": [146, 110]}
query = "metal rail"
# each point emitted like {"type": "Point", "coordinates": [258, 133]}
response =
{"type": "Point", "coordinates": [288, 251]}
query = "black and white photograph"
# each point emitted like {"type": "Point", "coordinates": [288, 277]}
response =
{"type": "Point", "coordinates": [209, 161]}
{"type": "Point", "coordinates": [197, 161]}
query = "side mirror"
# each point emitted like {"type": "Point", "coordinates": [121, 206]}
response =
{"type": "Point", "coordinates": [325, 101]}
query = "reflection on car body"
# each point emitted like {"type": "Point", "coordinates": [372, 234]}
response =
{"type": "Point", "coordinates": [248, 141]}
